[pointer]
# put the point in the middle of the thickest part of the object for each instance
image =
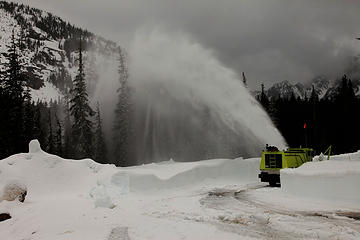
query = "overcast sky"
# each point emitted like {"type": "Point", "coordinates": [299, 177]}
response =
{"type": "Point", "coordinates": [270, 40]}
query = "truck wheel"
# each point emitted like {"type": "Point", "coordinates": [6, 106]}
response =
{"type": "Point", "coordinates": [272, 183]}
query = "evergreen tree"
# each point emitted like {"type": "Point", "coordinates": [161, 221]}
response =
{"type": "Point", "coordinates": [123, 123]}
{"type": "Point", "coordinates": [314, 98]}
{"type": "Point", "coordinates": [58, 137]}
{"type": "Point", "coordinates": [100, 154]}
{"type": "Point", "coordinates": [13, 97]}
{"type": "Point", "coordinates": [273, 111]}
{"type": "Point", "coordinates": [21, 40]}
{"type": "Point", "coordinates": [351, 92]}
{"type": "Point", "coordinates": [314, 124]}
{"type": "Point", "coordinates": [81, 111]}
{"type": "Point", "coordinates": [68, 147]}
{"type": "Point", "coordinates": [244, 79]}
{"type": "Point", "coordinates": [3, 114]}
{"type": "Point", "coordinates": [28, 125]}
{"type": "Point", "coordinates": [37, 129]}
{"type": "Point", "coordinates": [345, 103]}
{"type": "Point", "coordinates": [51, 144]}
{"type": "Point", "coordinates": [264, 100]}
{"type": "Point", "coordinates": [15, 81]}
{"type": "Point", "coordinates": [2, 80]}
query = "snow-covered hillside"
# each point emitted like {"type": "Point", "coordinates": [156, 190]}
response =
{"type": "Point", "coordinates": [213, 199]}
{"type": "Point", "coordinates": [48, 51]}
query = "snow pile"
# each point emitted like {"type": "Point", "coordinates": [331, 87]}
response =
{"type": "Point", "coordinates": [347, 157]}
{"type": "Point", "coordinates": [217, 171]}
{"type": "Point", "coordinates": [113, 187]}
{"type": "Point", "coordinates": [319, 158]}
{"type": "Point", "coordinates": [34, 146]}
{"type": "Point", "coordinates": [101, 196]}
{"type": "Point", "coordinates": [171, 175]}
{"type": "Point", "coordinates": [334, 180]}
{"type": "Point", "coordinates": [47, 174]}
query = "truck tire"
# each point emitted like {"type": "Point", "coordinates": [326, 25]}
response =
{"type": "Point", "coordinates": [272, 183]}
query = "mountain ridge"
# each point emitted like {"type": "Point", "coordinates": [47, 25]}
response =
{"type": "Point", "coordinates": [325, 88]}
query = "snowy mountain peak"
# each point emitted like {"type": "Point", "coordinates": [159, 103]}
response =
{"type": "Point", "coordinates": [322, 85]}
{"type": "Point", "coordinates": [285, 89]}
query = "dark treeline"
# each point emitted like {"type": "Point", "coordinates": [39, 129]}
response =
{"type": "Point", "coordinates": [318, 123]}
{"type": "Point", "coordinates": [65, 127]}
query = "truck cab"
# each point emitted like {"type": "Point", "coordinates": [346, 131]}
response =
{"type": "Point", "coordinates": [273, 160]}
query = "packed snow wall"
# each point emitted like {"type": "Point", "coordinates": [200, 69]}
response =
{"type": "Point", "coordinates": [191, 107]}
{"type": "Point", "coordinates": [334, 180]}
{"type": "Point", "coordinates": [106, 183]}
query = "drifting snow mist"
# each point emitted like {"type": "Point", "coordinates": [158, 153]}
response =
{"type": "Point", "coordinates": [189, 106]}
{"type": "Point", "coordinates": [106, 91]}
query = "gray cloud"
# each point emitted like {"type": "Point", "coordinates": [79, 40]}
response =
{"type": "Point", "coordinates": [271, 40]}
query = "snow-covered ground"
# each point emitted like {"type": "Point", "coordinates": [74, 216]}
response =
{"type": "Point", "coordinates": [213, 199]}
{"type": "Point", "coordinates": [336, 179]}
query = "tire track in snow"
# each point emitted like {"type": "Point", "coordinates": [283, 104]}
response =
{"type": "Point", "coordinates": [239, 213]}
{"type": "Point", "coordinates": [119, 233]}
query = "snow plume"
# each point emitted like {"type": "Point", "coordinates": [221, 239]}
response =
{"type": "Point", "coordinates": [191, 107]}
{"type": "Point", "coordinates": [106, 90]}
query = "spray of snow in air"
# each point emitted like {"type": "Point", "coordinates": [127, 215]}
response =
{"type": "Point", "coordinates": [189, 106]}
{"type": "Point", "coordinates": [106, 91]}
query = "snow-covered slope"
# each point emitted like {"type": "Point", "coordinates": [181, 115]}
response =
{"type": "Point", "coordinates": [213, 199]}
{"type": "Point", "coordinates": [47, 91]}
{"type": "Point", "coordinates": [48, 50]}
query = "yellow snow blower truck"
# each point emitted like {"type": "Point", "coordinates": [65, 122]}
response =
{"type": "Point", "coordinates": [272, 160]}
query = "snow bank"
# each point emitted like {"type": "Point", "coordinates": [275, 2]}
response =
{"type": "Point", "coordinates": [216, 171]}
{"type": "Point", "coordinates": [335, 180]}
{"type": "Point", "coordinates": [49, 175]}
{"type": "Point", "coordinates": [347, 157]}
{"type": "Point", "coordinates": [172, 175]}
